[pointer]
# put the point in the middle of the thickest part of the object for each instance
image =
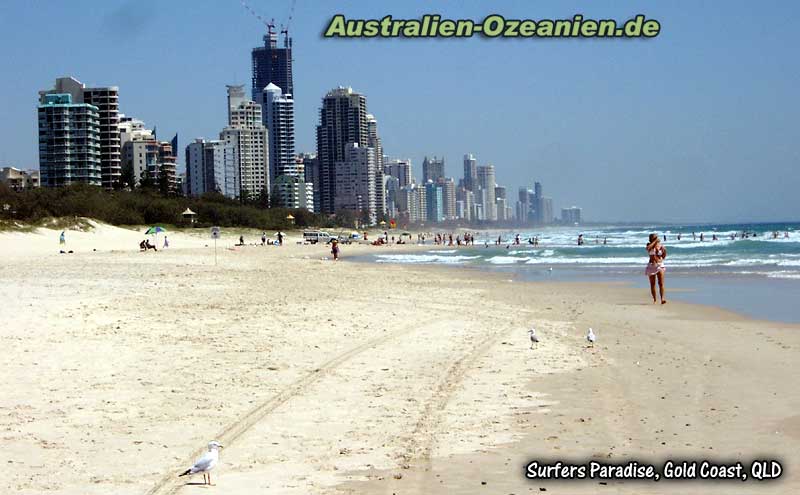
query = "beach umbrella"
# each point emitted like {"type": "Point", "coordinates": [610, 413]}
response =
{"type": "Point", "coordinates": [154, 230]}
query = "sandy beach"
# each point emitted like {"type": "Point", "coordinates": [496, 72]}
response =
{"type": "Point", "coordinates": [324, 377]}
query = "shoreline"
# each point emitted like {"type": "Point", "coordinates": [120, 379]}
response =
{"type": "Point", "coordinates": [334, 377]}
{"type": "Point", "coordinates": [751, 298]}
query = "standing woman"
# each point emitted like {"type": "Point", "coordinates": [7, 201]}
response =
{"type": "Point", "coordinates": [655, 267]}
{"type": "Point", "coordinates": [335, 250]}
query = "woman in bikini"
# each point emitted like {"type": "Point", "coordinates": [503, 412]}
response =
{"type": "Point", "coordinates": [655, 267]}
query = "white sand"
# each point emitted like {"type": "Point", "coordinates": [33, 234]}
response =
{"type": "Point", "coordinates": [323, 377]}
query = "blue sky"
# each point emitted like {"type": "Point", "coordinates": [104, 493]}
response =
{"type": "Point", "coordinates": [698, 124]}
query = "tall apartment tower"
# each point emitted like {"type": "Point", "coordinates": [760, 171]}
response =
{"type": "Point", "coordinates": [470, 172]}
{"type": "Point", "coordinates": [210, 168]}
{"type": "Point", "coordinates": [272, 64]}
{"type": "Point", "coordinates": [342, 121]}
{"type": "Point", "coordinates": [374, 142]}
{"type": "Point", "coordinates": [106, 99]}
{"type": "Point", "coordinates": [248, 138]}
{"type": "Point", "coordinates": [448, 197]}
{"type": "Point", "coordinates": [278, 112]}
{"type": "Point", "coordinates": [487, 183]}
{"type": "Point", "coordinates": [400, 169]}
{"type": "Point", "coordinates": [355, 181]}
{"type": "Point", "coordinates": [432, 169]}
{"type": "Point", "coordinates": [69, 142]}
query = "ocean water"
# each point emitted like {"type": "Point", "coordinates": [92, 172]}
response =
{"type": "Point", "coordinates": [758, 275]}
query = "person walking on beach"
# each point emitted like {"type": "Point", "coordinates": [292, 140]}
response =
{"type": "Point", "coordinates": [655, 267]}
{"type": "Point", "coordinates": [62, 240]}
{"type": "Point", "coordinates": [335, 250]}
{"type": "Point", "coordinates": [280, 238]}
{"type": "Point", "coordinates": [166, 242]}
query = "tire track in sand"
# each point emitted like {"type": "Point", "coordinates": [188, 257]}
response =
{"type": "Point", "coordinates": [169, 483]}
{"type": "Point", "coordinates": [423, 436]}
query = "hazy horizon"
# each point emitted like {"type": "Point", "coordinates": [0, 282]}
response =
{"type": "Point", "coordinates": [696, 125]}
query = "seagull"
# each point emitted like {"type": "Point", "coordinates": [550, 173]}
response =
{"type": "Point", "coordinates": [591, 337]}
{"type": "Point", "coordinates": [206, 463]}
{"type": "Point", "coordinates": [534, 338]}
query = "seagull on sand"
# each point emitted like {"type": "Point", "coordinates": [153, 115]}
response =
{"type": "Point", "coordinates": [590, 337]}
{"type": "Point", "coordinates": [206, 463]}
{"type": "Point", "coordinates": [534, 338]}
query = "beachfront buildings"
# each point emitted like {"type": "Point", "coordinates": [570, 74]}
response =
{"type": "Point", "coordinates": [400, 169]}
{"type": "Point", "coordinates": [412, 204]}
{"type": "Point", "coordinates": [432, 169]}
{"type": "Point", "coordinates": [145, 159]}
{"type": "Point", "coordinates": [485, 197]}
{"type": "Point", "coordinates": [19, 180]}
{"type": "Point", "coordinates": [292, 191]}
{"type": "Point", "coordinates": [434, 202]}
{"type": "Point", "coordinates": [278, 117]}
{"type": "Point", "coordinates": [355, 181]}
{"type": "Point", "coordinates": [105, 100]}
{"type": "Point", "coordinates": [210, 168]}
{"type": "Point", "coordinates": [374, 142]}
{"type": "Point", "coordinates": [246, 135]}
{"type": "Point", "coordinates": [571, 216]}
{"type": "Point", "coordinates": [448, 186]}
{"type": "Point", "coordinates": [342, 121]}
{"type": "Point", "coordinates": [311, 172]}
{"type": "Point", "coordinates": [69, 141]}
{"type": "Point", "coordinates": [470, 172]}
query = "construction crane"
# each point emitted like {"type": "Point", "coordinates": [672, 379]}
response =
{"type": "Point", "coordinates": [270, 25]}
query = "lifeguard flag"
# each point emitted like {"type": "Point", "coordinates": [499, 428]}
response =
{"type": "Point", "coordinates": [392, 224]}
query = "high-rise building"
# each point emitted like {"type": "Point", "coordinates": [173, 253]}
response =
{"type": "Point", "coordinates": [467, 200]}
{"type": "Point", "coordinates": [69, 142]}
{"type": "Point", "coordinates": [432, 169]}
{"type": "Point", "coordinates": [144, 158]}
{"type": "Point", "coordinates": [434, 202]}
{"type": "Point", "coordinates": [400, 169]}
{"type": "Point", "coordinates": [272, 64]}
{"type": "Point", "coordinates": [278, 112]}
{"type": "Point", "coordinates": [292, 191]}
{"type": "Point", "coordinates": [391, 188]}
{"type": "Point", "coordinates": [412, 204]}
{"type": "Point", "coordinates": [470, 172]}
{"type": "Point", "coordinates": [106, 100]}
{"type": "Point", "coordinates": [487, 183]}
{"type": "Point", "coordinates": [150, 161]}
{"type": "Point", "coordinates": [342, 120]}
{"type": "Point", "coordinates": [210, 168]}
{"type": "Point", "coordinates": [311, 173]}
{"type": "Point", "coordinates": [374, 142]}
{"type": "Point", "coordinates": [355, 181]}
{"type": "Point", "coordinates": [448, 186]}
{"type": "Point", "coordinates": [248, 138]}
{"type": "Point", "coordinates": [571, 215]}
{"type": "Point", "coordinates": [545, 212]}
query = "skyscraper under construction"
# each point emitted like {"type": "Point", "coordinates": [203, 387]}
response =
{"type": "Point", "coordinates": [272, 64]}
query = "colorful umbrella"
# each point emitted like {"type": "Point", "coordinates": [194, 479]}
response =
{"type": "Point", "coordinates": [154, 230]}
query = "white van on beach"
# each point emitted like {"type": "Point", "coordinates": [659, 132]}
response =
{"type": "Point", "coordinates": [315, 236]}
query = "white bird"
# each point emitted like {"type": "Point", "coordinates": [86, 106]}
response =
{"type": "Point", "coordinates": [590, 337]}
{"type": "Point", "coordinates": [206, 463]}
{"type": "Point", "coordinates": [534, 338]}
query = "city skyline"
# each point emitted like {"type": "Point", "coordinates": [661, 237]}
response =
{"type": "Point", "coordinates": [647, 128]}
